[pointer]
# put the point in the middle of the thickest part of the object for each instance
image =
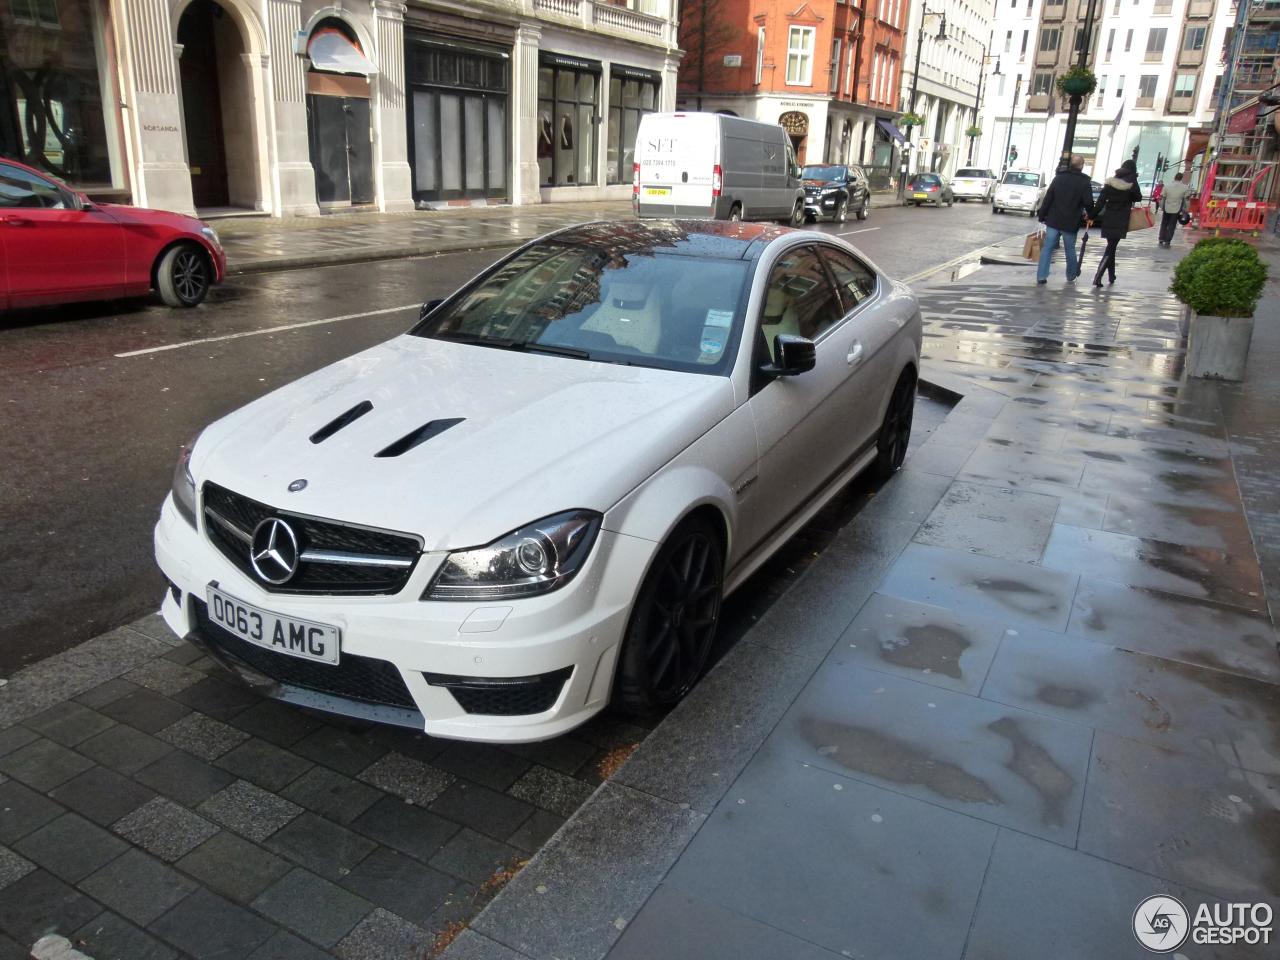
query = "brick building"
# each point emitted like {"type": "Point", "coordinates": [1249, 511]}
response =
{"type": "Point", "coordinates": [828, 71]}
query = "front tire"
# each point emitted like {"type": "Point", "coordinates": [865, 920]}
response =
{"type": "Point", "coordinates": [797, 214]}
{"type": "Point", "coordinates": [183, 276]}
{"type": "Point", "coordinates": [864, 211]}
{"type": "Point", "coordinates": [895, 429]}
{"type": "Point", "coordinates": [842, 212]}
{"type": "Point", "coordinates": [673, 623]}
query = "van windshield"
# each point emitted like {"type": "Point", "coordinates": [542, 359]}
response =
{"type": "Point", "coordinates": [1022, 179]}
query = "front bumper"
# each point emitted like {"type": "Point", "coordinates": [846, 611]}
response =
{"type": "Point", "coordinates": [820, 206]}
{"type": "Point", "coordinates": [433, 645]}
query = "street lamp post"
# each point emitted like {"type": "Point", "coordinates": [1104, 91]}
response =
{"type": "Point", "coordinates": [1073, 112]}
{"type": "Point", "coordinates": [977, 101]}
{"type": "Point", "coordinates": [1013, 109]}
{"type": "Point", "coordinates": [915, 74]}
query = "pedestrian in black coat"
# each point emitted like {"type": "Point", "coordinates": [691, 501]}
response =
{"type": "Point", "coordinates": [1111, 212]}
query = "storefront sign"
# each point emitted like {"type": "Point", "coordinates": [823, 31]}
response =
{"type": "Point", "coordinates": [795, 123]}
{"type": "Point", "coordinates": [573, 63]}
{"type": "Point", "coordinates": [634, 73]}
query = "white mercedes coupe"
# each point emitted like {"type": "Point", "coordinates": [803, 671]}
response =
{"type": "Point", "coordinates": [533, 502]}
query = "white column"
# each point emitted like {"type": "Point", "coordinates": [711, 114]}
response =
{"type": "Point", "coordinates": [395, 178]}
{"type": "Point", "coordinates": [524, 115]}
{"type": "Point", "coordinates": [161, 177]}
{"type": "Point", "coordinates": [294, 181]}
{"type": "Point", "coordinates": [667, 92]}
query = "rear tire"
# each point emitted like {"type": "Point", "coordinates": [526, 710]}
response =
{"type": "Point", "coordinates": [735, 213]}
{"type": "Point", "coordinates": [895, 429]}
{"type": "Point", "coordinates": [183, 276]}
{"type": "Point", "coordinates": [673, 623]}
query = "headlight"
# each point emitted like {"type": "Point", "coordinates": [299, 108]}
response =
{"type": "Point", "coordinates": [184, 485]}
{"type": "Point", "coordinates": [535, 559]}
{"type": "Point", "coordinates": [211, 235]}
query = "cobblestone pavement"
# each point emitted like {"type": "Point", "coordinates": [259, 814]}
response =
{"type": "Point", "coordinates": [1034, 682]}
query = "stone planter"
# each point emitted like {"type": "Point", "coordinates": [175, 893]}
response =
{"type": "Point", "coordinates": [1184, 322]}
{"type": "Point", "coordinates": [1218, 347]}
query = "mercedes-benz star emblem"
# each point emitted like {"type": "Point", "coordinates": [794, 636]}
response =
{"type": "Point", "coordinates": [274, 551]}
{"type": "Point", "coordinates": [299, 484]}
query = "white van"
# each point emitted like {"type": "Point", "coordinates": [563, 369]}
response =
{"type": "Point", "coordinates": [712, 165]}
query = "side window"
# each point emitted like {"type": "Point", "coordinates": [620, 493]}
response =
{"type": "Point", "coordinates": [799, 299]}
{"type": "Point", "coordinates": [855, 281]}
{"type": "Point", "coordinates": [21, 189]}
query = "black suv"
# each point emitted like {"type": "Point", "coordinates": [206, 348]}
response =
{"type": "Point", "coordinates": [834, 191]}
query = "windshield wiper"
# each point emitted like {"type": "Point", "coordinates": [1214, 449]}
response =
{"type": "Point", "coordinates": [506, 343]}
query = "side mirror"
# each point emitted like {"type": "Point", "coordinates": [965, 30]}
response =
{"type": "Point", "coordinates": [429, 308]}
{"type": "Point", "coordinates": [795, 355]}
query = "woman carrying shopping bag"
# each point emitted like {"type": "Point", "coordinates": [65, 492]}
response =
{"type": "Point", "coordinates": [1112, 212]}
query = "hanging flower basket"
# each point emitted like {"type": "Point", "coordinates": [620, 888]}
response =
{"type": "Point", "coordinates": [973, 132]}
{"type": "Point", "coordinates": [910, 120]}
{"type": "Point", "coordinates": [1077, 82]}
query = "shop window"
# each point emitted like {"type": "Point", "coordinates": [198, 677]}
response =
{"type": "Point", "coordinates": [57, 106]}
{"type": "Point", "coordinates": [630, 98]}
{"type": "Point", "coordinates": [459, 120]}
{"type": "Point", "coordinates": [568, 114]}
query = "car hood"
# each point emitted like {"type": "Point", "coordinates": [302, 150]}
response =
{"type": "Point", "coordinates": [142, 216]}
{"type": "Point", "coordinates": [537, 434]}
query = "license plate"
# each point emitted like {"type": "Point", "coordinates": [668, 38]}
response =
{"type": "Point", "coordinates": [921, 196]}
{"type": "Point", "coordinates": [657, 191]}
{"type": "Point", "coordinates": [297, 638]}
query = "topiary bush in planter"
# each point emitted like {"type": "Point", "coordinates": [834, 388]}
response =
{"type": "Point", "coordinates": [1220, 277]}
{"type": "Point", "coordinates": [1220, 282]}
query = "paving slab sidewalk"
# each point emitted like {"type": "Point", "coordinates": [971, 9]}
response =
{"type": "Point", "coordinates": [1033, 683]}
{"type": "Point", "coordinates": [259, 244]}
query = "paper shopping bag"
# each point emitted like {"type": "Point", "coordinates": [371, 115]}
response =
{"type": "Point", "coordinates": [1140, 218]}
{"type": "Point", "coordinates": [1031, 246]}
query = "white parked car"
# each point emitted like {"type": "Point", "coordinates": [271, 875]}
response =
{"type": "Point", "coordinates": [1020, 190]}
{"type": "Point", "coordinates": [973, 183]}
{"type": "Point", "coordinates": [533, 502]}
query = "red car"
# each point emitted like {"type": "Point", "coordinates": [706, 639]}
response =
{"type": "Point", "coordinates": [58, 246]}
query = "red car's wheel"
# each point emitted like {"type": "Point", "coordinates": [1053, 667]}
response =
{"type": "Point", "coordinates": [183, 276]}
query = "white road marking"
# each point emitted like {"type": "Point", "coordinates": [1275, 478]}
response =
{"type": "Point", "coordinates": [955, 262]}
{"type": "Point", "coordinates": [850, 233]}
{"type": "Point", "coordinates": [258, 333]}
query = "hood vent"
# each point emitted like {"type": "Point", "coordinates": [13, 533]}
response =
{"type": "Point", "coordinates": [333, 426]}
{"type": "Point", "coordinates": [424, 433]}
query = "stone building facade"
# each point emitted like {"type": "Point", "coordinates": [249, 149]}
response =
{"type": "Point", "coordinates": [291, 107]}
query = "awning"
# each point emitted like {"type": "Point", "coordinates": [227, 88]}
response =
{"type": "Point", "coordinates": [889, 127]}
{"type": "Point", "coordinates": [1197, 141]}
{"type": "Point", "coordinates": [331, 50]}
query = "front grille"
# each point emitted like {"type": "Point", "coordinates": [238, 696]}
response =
{"type": "Point", "coordinates": [366, 679]}
{"type": "Point", "coordinates": [503, 696]}
{"type": "Point", "coordinates": [244, 514]}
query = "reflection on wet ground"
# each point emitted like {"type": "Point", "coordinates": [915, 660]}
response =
{"type": "Point", "coordinates": [1086, 577]}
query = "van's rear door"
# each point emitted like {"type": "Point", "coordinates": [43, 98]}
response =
{"type": "Point", "coordinates": [677, 154]}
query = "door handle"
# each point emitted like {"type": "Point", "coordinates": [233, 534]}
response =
{"type": "Point", "coordinates": [855, 353]}
{"type": "Point", "coordinates": [16, 221]}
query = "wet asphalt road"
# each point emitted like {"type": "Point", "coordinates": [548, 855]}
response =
{"type": "Point", "coordinates": [89, 437]}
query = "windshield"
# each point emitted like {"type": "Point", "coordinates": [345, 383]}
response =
{"type": "Point", "coordinates": [979, 174]}
{"type": "Point", "coordinates": [1022, 179]}
{"type": "Point", "coordinates": [824, 173]}
{"type": "Point", "coordinates": [640, 307]}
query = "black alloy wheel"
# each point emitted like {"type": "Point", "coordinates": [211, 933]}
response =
{"type": "Point", "coordinates": [842, 212]}
{"type": "Point", "coordinates": [673, 624]}
{"type": "Point", "coordinates": [895, 430]}
{"type": "Point", "coordinates": [183, 276]}
{"type": "Point", "coordinates": [865, 210]}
